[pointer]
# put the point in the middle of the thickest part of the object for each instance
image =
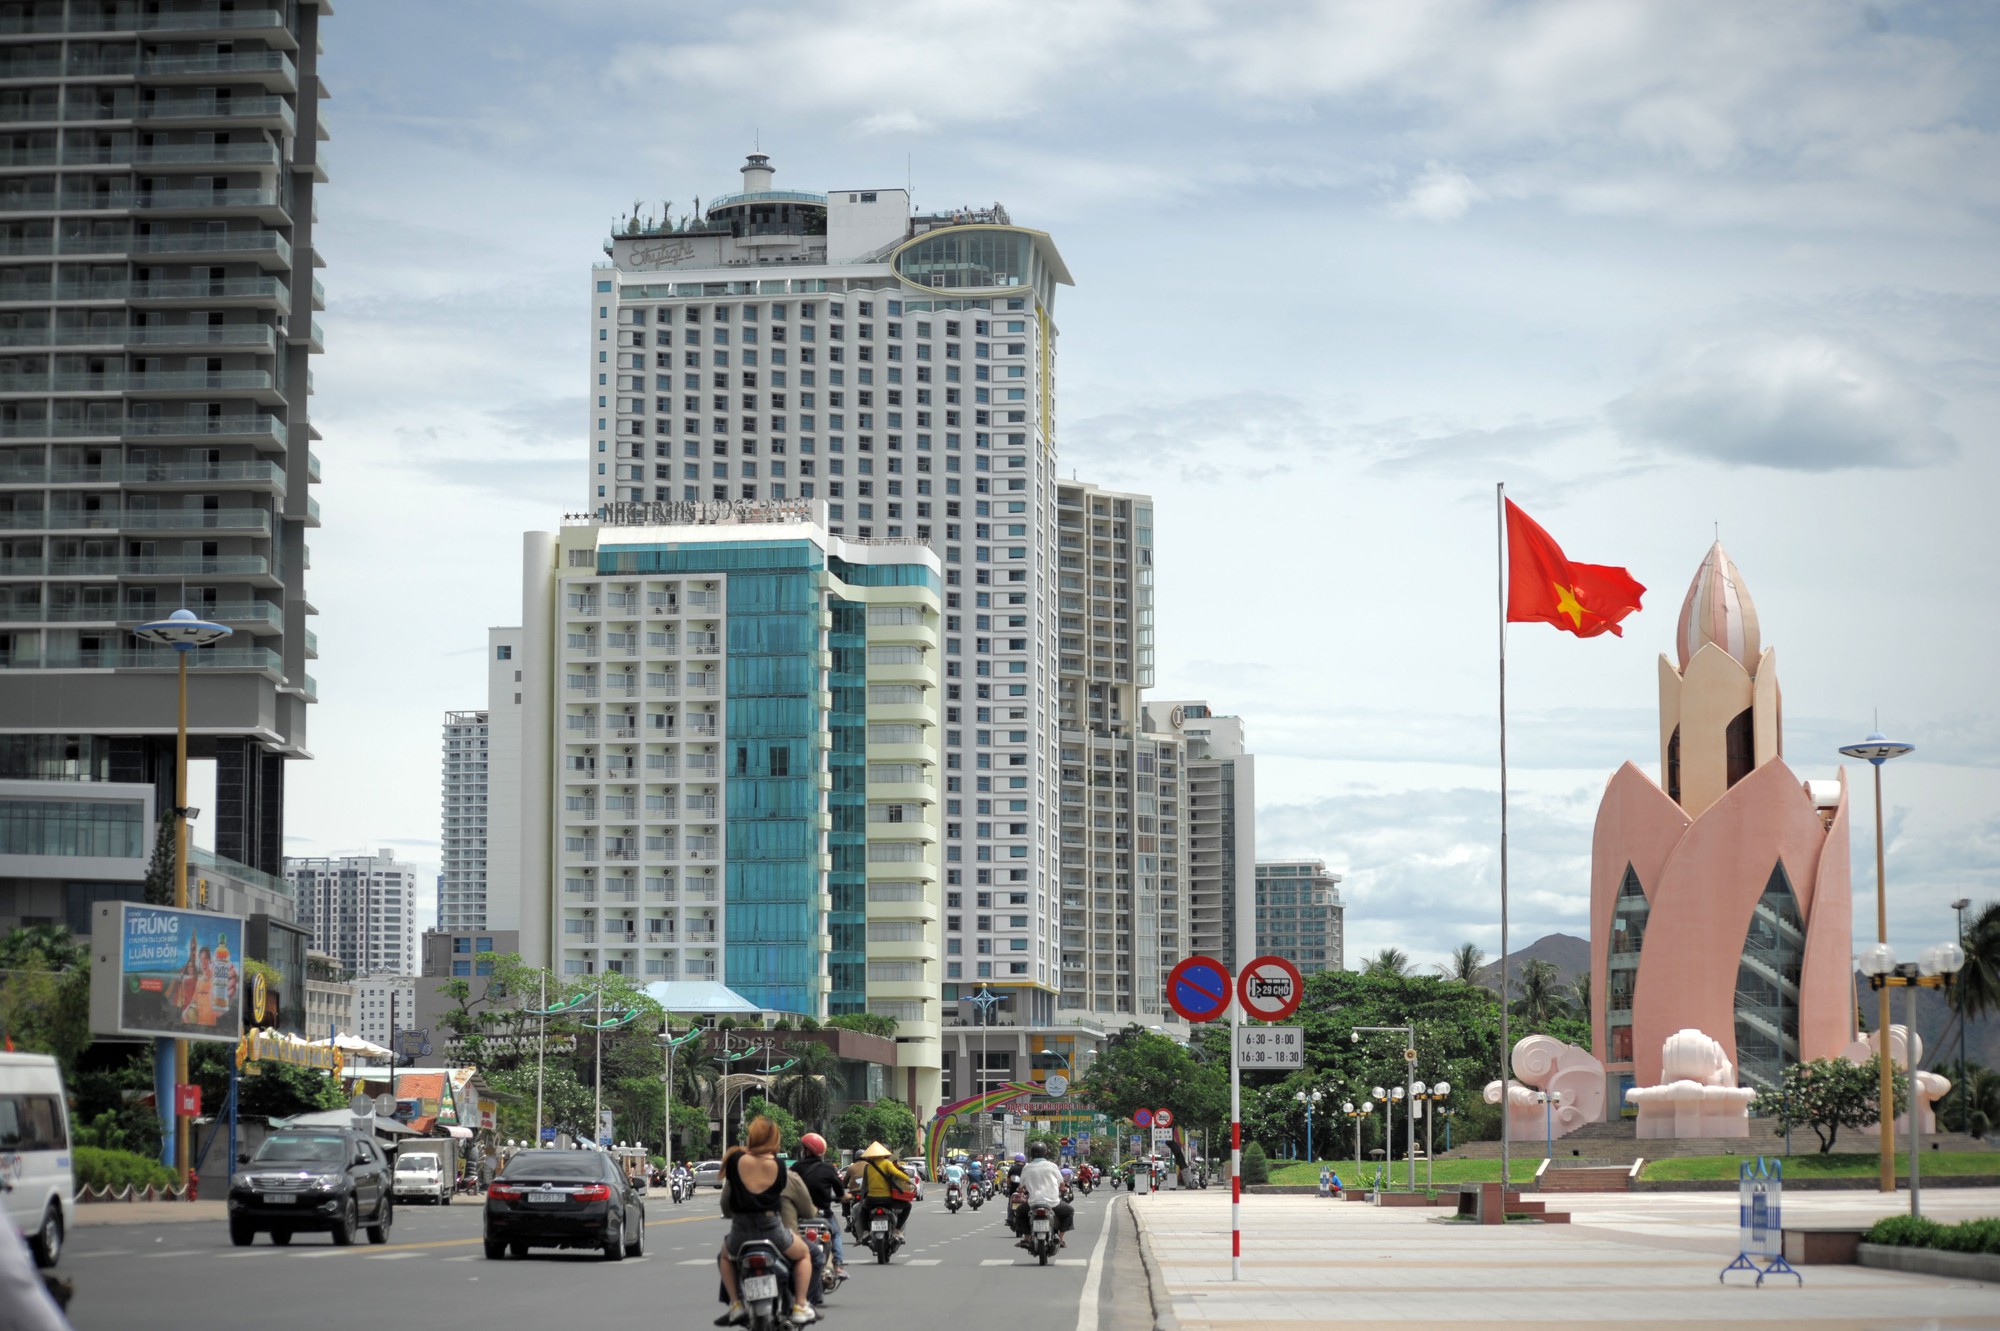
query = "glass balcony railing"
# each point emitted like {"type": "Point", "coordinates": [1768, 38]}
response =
{"type": "Point", "coordinates": [221, 65]}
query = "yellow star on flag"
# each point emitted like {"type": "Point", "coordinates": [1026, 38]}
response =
{"type": "Point", "coordinates": [1567, 604]}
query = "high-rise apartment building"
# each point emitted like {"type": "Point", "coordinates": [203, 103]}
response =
{"type": "Point", "coordinates": [1299, 914]}
{"type": "Point", "coordinates": [362, 909]}
{"type": "Point", "coordinates": [898, 367]}
{"type": "Point", "coordinates": [385, 1003]}
{"type": "Point", "coordinates": [1220, 821]}
{"type": "Point", "coordinates": [503, 778]}
{"type": "Point", "coordinates": [462, 834]}
{"type": "Point", "coordinates": [158, 169]}
{"type": "Point", "coordinates": [729, 760]}
{"type": "Point", "coordinates": [1124, 904]}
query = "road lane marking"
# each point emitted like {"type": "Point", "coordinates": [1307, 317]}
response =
{"type": "Point", "coordinates": [390, 1256]}
{"type": "Point", "coordinates": [183, 1252]}
{"type": "Point", "coordinates": [927, 1261]}
{"type": "Point", "coordinates": [1086, 1316]}
{"type": "Point", "coordinates": [997, 1261]}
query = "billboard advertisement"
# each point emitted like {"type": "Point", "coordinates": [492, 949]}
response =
{"type": "Point", "coordinates": [159, 971]}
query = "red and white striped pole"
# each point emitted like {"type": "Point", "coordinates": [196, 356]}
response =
{"type": "Point", "coordinates": [1235, 1149]}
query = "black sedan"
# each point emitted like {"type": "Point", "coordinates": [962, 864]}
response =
{"type": "Point", "coordinates": [327, 1179]}
{"type": "Point", "coordinates": [564, 1199]}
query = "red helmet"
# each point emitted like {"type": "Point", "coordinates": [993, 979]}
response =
{"type": "Point", "coordinates": [814, 1143]}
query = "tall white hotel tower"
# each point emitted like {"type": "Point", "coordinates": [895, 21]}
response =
{"type": "Point", "coordinates": [899, 368]}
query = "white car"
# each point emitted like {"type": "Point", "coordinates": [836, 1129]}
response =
{"type": "Point", "coordinates": [34, 1152]}
{"type": "Point", "coordinates": [421, 1174]}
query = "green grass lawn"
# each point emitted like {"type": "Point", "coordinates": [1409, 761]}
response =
{"type": "Point", "coordinates": [1815, 1165]}
{"type": "Point", "coordinates": [1443, 1172]}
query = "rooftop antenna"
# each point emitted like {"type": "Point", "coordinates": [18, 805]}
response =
{"type": "Point", "coordinates": [756, 139]}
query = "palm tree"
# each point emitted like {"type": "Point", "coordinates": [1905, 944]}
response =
{"type": "Point", "coordinates": [802, 1089]}
{"type": "Point", "coordinates": [1392, 963]}
{"type": "Point", "coordinates": [1977, 991]}
{"type": "Point", "coordinates": [1537, 994]}
{"type": "Point", "coordinates": [1579, 994]}
{"type": "Point", "coordinates": [1465, 963]}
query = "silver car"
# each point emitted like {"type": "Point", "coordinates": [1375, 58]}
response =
{"type": "Point", "coordinates": [708, 1174]}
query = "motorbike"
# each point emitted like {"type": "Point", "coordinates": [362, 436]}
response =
{"type": "Point", "coordinates": [1042, 1238]}
{"type": "Point", "coordinates": [881, 1237]}
{"type": "Point", "coordinates": [976, 1195]}
{"type": "Point", "coordinates": [818, 1237]}
{"type": "Point", "coordinates": [953, 1198]}
{"type": "Point", "coordinates": [764, 1283]}
{"type": "Point", "coordinates": [678, 1189]}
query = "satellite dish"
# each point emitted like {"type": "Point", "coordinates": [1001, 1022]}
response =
{"type": "Point", "coordinates": [385, 1105]}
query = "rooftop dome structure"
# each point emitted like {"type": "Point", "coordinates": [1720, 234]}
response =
{"type": "Point", "coordinates": [1718, 609]}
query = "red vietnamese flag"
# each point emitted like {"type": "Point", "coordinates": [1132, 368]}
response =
{"type": "Point", "coordinates": [1545, 586]}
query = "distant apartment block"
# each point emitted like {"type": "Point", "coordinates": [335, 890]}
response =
{"type": "Point", "coordinates": [1299, 914]}
{"type": "Point", "coordinates": [1221, 823]}
{"type": "Point", "coordinates": [362, 910]}
{"type": "Point", "coordinates": [462, 826]}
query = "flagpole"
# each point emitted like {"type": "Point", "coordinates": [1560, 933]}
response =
{"type": "Point", "coordinates": [1506, 1081]}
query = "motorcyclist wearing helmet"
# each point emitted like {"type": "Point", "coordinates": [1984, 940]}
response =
{"type": "Point", "coordinates": [825, 1184]}
{"type": "Point", "coordinates": [1039, 1183]}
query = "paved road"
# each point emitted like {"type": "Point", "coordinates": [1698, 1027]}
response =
{"type": "Point", "coordinates": [962, 1269]}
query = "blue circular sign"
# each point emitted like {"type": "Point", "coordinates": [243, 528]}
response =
{"type": "Point", "coordinates": [1198, 989]}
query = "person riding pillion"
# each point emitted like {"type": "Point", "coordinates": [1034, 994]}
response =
{"type": "Point", "coordinates": [825, 1183]}
{"type": "Point", "coordinates": [756, 1191]}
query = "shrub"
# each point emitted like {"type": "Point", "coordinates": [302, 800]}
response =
{"type": "Point", "coordinates": [1903, 1231]}
{"type": "Point", "coordinates": [117, 1170]}
{"type": "Point", "coordinates": [1256, 1165]}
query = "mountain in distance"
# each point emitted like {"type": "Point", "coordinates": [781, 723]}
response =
{"type": "Point", "coordinates": [1569, 954]}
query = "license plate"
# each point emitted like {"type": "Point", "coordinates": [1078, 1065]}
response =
{"type": "Point", "coordinates": [1041, 1226]}
{"type": "Point", "coordinates": [879, 1227]}
{"type": "Point", "coordinates": [760, 1287]}
{"type": "Point", "coordinates": [545, 1198]}
{"type": "Point", "coordinates": [279, 1199]}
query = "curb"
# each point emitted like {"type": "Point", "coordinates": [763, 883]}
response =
{"type": "Point", "coordinates": [1931, 1262]}
{"type": "Point", "coordinates": [1156, 1284]}
{"type": "Point", "coordinates": [1867, 1184]}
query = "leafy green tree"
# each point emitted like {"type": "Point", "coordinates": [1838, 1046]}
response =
{"type": "Point", "coordinates": [887, 1121]}
{"type": "Point", "coordinates": [1538, 996]}
{"type": "Point", "coordinates": [1256, 1165]}
{"type": "Point", "coordinates": [162, 883]}
{"type": "Point", "coordinates": [45, 993]}
{"type": "Point", "coordinates": [868, 1023]}
{"type": "Point", "coordinates": [789, 1128]}
{"type": "Point", "coordinates": [1390, 962]}
{"type": "Point", "coordinates": [1972, 1106]}
{"type": "Point", "coordinates": [803, 1088]}
{"type": "Point", "coordinates": [1464, 966]}
{"type": "Point", "coordinates": [1578, 994]}
{"type": "Point", "coordinates": [1829, 1094]}
{"type": "Point", "coordinates": [273, 1090]}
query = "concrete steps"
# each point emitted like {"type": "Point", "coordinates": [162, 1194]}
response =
{"type": "Point", "coordinates": [1587, 1178]}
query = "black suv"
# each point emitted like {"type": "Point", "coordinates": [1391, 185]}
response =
{"type": "Point", "coordinates": [330, 1179]}
{"type": "Point", "coordinates": [564, 1199]}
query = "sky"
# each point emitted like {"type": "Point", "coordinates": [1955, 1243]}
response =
{"type": "Point", "coordinates": [1666, 270]}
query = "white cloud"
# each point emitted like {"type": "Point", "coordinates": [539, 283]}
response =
{"type": "Point", "coordinates": [1441, 194]}
{"type": "Point", "coordinates": [1800, 401]}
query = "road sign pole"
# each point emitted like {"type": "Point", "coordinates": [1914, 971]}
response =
{"type": "Point", "coordinates": [1235, 1147]}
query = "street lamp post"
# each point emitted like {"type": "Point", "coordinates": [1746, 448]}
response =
{"type": "Point", "coordinates": [1367, 1108]}
{"type": "Point", "coordinates": [1431, 1096]}
{"type": "Point", "coordinates": [1876, 750]}
{"type": "Point", "coordinates": [1381, 1097]}
{"type": "Point", "coordinates": [1409, 1034]}
{"type": "Point", "coordinates": [1937, 970]}
{"type": "Point", "coordinates": [1964, 1106]}
{"type": "Point", "coordinates": [1548, 1100]}
{"type": "Point", "coordinates": [1308, 1099]}
{"type": "Point", "coordinates": [183, 632]}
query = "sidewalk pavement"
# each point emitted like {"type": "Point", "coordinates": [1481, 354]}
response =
{"type": "Point", "coordinates": [1635, 1261]}
{"type": "Point", "coordinates": [148, 1213]}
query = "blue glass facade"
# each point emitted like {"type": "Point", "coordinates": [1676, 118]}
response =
{"type": "Point", "coordinates": [849, 802]}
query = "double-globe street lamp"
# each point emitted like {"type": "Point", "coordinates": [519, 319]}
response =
{"type": "Point", "coordinates": [1876, 750]}
{"type": "Point", "coordinates": [1409, 1034]}
{"type": "Point", "coordinates": [1365, 1110]}
{"type": "Point", "coordinates": [1390, 1098]}
{"type": "Point", "coordinates": [1549, 1101]}
{"type": "Point", "coordinates": [1429, 1096]}
{"type": "Point", "coordinates": [184, 632]}
{"type": "Point", "coordinates": [1309, 1099]}
{"type": "Point", "coordinates": [1938, 969]}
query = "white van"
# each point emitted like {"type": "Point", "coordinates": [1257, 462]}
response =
{"type": "Point", "coordinates": [34, 1152]}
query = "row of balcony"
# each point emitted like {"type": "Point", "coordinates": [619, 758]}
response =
{"type": "Point", "coordinates": [620, 686]}
{"type": "Point", "coordinates": [654, 734]}
{"type": "Point", "coordinates": [180, 566]}
{"type": "Point", "coordinates": [250, 336]}
{"type": "Point", "coordinates": [269, 112]}
{"type": "Point", "coordinates": [212, 19]}
{"type": "Point", "coordinates": [261, 475]}
{"type": "Point", "coordinates": [267, 245]}
{"type": "Point", "coordinates": [204, 290]}
{"type": "Point", "coordinates": [259, 154]}
{"type": "Point", "coordinates": [156, 658]}
{"type": "Point", "coordinates": [250, 616]}
{"type": "Point", "coordinates": [163, 381]}
{"type": "Point", "coordinates": [274, 69]}
{"type": "Point", "coordinates": [257, 427]}
{"type": "Point", "coordinates": [230, 519]}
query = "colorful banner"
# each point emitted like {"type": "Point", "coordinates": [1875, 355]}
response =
{"type": "Point", "coordinates": [177, 973]}
{"type": "Point", "coordinates": [277, 1047]}
{"type": "Point", "coordinates": [983, 1103]}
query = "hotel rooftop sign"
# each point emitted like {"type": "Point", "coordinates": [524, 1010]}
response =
{"type": "Point", "coordinates": [724, 512]}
